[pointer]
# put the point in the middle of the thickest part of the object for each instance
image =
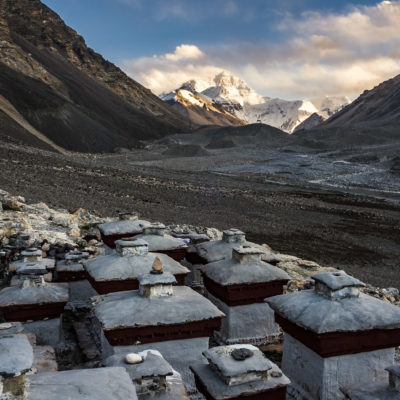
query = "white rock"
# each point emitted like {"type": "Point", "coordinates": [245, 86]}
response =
{"type": "Point", "coordinates": [4, 326]}
{"type": "Point", "coordinates": [133, 358]}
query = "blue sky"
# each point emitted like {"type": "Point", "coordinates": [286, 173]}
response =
{"type": "Point", "coordinates": [248, 37]}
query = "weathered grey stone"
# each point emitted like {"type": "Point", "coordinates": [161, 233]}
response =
{"type": "Point", "coordinates": [320, 314]}
{"type": "Point", "coordinates": [157, 279]}
{"type": "Point", "coordinates": [337, 280]}
{"type": "Point", "coordinates": [315, 377]}
{"type": "Point", "coordinates": [84, 384]}
{"type": "Point", "coordinates": [123, 227]}
{"type": "Point", "coordinates": [49, 293]}
{"type": "Point", "coordinates": [10, 328]}
{"type": "Point", "coordinates": [131, 247]}
{"type": "Point", "coordinates": [115, 267]}
{"type": "Point", "coordinates": [153, 365]}
{"type": "Point", "coordinates": [252, 323]}
{"type": "Point", "coordinates": [185, 305]}
{"type": "Point", "coordinates": [180, 354]}
{"type": "Point", "coordinates": [31, 254]}
{"type": "Point", "coordinates": [32, 268]}
{"type": "Point", "coordinates": [377, 391]}
{"type": "Point", "coordinates": [244, 271]}
{"type": "Point", "coordinates": [16, 355]}
{"type": "Point", "coordinates": [220, 391]}
{"type": "Point", "coordinates": [74, 256]}
{"type": "Point", "coordinates": [371, 391]}
{"type": "Point", "coordinates": [47, 263]}
{"type": "Point", "coordinates": [63, 266]}
{"type": "Point", "coordinates": [217, 250]}
{"type": "Point", "coordinates": [158, 284]}
{"type": "Point", "coordinates": [158, 240]}
{"type": "Point", "coordinates": [44, 359]}
{"type": "Point", "coordinates": [234, 372]}
{"type": "Point", "coordinates": [47, 332]}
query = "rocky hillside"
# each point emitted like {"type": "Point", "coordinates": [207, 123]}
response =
{"type": "Point", "coordinates": [56, 92]}
{"type": "Point", "coordinates": [377, 107]}
{"type": "Point", "coordinates": [312, 121]}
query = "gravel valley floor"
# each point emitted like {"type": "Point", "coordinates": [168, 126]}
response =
{"type": "Point", "coordinates": [358, 233]}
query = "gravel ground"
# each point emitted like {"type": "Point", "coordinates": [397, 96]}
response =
{"type": "Point", "coordinates": [357, 233]}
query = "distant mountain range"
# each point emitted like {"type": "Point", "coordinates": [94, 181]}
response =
{"type": "Point", "coordinates": [56, 93]}
{"type": "Point", "coordinates": [377, 107]}
{"type": "Point", "coordinates": [228, 100]}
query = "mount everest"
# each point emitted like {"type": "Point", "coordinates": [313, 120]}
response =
{"type": "Point", "coordinates": [227, 100]}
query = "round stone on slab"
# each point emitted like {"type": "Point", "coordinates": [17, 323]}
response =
{"type": "Point", "coordinates": [241, 354]}
{"type": "Point", "coordinates": [5, 325]}
{"type": "Point", "coordinates": [157, 267]}
{"type": "Point", "coordinates": [133, 358]}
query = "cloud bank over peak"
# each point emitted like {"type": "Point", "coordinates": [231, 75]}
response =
{"type": "Point", "coordinates": [317, 54]}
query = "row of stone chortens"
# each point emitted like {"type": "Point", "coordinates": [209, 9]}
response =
{"type": "Point", "coordinates": [336, 338]}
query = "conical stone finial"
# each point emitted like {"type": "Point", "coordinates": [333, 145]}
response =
{"type": "Point", "coordinates": [157, 267]}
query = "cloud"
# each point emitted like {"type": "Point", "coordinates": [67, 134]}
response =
{"type": "Point", "coordinates": [318, 54]}
{"type": "Point", "coordinates": [185, 52]}
{"type": "Point", "coordinates": [167, 72]}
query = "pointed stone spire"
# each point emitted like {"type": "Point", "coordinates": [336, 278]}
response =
{"type": "Point", "coordinates": [157, 268]}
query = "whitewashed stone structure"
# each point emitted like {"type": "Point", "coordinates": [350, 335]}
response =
{"type": "Point", "coordinates": [72, 269]}
{"type": "Point", "coordinates": [16, 360]}
{"type": "Point", "coordinates": [238, 287]}
{"type": "Point", "coordinates": [160, 242]}
{"type": "Point", "coordinates": [120, 270]}
{"type": "Point", "coordinates": [174, 320]}
{"type": "Point", "coordinates": [154, 377]}
{"type": "Point", "coordinates": [335, 337]}
{"type": "Point", "coordinates": [217, 250]}
{"type": "Point", "coordinates": [128, 225]}
{"type": "Point", "coordinates": [239, 372]}
{"type": "Point", "coordinates": [32, 298]}
{"type": "Point", "coordinates": [377, 391]}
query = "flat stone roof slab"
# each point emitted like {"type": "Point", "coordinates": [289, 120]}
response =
{"type": "Point", "coordinates": [115, 267]}
{"type": "Point", "coordinates": [321, 315]}
{"type": "Point", "coordinates": [220, 391]}
{"type": "Point", "coordinates": [232, 272]}
{"type": "Point", "coordinates": [217, 250]}
{"type": "Point", "coordinates": [16, 355]}
{"type": "Point", "coordinates": [49, 293]}
{"type": "Point", "coordinates": [47, 263]}
{"type": "Point", "coordinates": [185, 305]}
{"type": "Point", "coordinates": [157, 279]}
{"type": "Point", "coordinates": [222, 358]}
{"type": "Point", "coordinates": [337, 280]}
{"type": "Point", "coordinates": [83, 384]}
{"type": "Point", "coordinates": [162, 243]}
{"type": "Point", "coordinates": [124, 226]}
{"type": "Point", "coordinates": [153, 365]}
{"type": "Point", "coordinates": [62, 266]}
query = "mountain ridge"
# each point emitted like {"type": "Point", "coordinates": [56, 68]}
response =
{"type": "Point", "coordinates": [60, 82]}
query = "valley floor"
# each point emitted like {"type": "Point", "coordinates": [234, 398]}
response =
{"type": "Point", "coordinates": [356, 233]}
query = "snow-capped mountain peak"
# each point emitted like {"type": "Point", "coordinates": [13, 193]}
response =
{"type": "Point", "coordinates": [243, 102]}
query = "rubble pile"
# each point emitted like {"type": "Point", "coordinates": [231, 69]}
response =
{"type": "Point", "coordinates": [96, 308]}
